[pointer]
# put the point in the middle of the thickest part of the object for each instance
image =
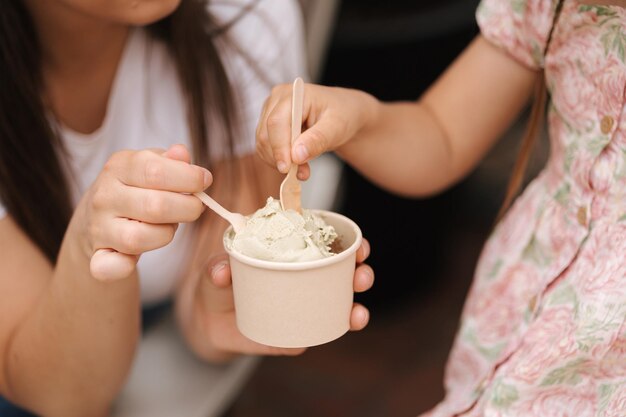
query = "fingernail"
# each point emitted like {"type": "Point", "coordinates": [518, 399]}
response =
{"type": "Point", "coordinates": [301, 153]}
{"type": "Point", "coordinates": [282, 167]}
{"type": "Point", "coordinates": [217, 268]}
{"type": "Point", "coordinates": [208, 178]}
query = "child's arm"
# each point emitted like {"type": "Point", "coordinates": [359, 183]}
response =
{"type": "Point", "coordinates": [411, 148]}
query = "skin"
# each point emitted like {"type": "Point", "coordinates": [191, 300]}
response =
{"type": "Point", "coordinates": [67, 339]}
{"type": "Point", "coordinates": [411, 148]}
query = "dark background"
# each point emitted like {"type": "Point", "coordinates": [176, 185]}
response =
{"type": "Point", "coordinates": [423, 251]}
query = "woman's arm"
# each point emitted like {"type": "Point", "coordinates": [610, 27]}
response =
{"type": "Point", "coordinates": [67, 339]}
{"type": "Point", "coordinates": [411, 148]}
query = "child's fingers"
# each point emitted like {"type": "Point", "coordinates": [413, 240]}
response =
{"type": "Point", "coordinates": [321, 137]}
{"type": "Point", "coordinates": [304, 172]}
{"type": "Point", "coordinates": [273, 133]}
{"type": "Point", "coordinates": [278, 125]}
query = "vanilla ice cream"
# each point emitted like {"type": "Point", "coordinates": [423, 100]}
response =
{"type": "Point", "coordinates": [273, 234]}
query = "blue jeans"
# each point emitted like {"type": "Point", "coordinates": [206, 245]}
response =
{"type": "Point", "coordinates": [149, 316]}
{"type": "Point", "coordinates": [9, 410]}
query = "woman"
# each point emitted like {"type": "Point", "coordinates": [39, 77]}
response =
{"type": "Point", "coordinates": [93, 182]}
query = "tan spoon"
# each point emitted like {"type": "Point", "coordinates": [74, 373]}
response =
{"type": "Point", "coordinates": [290, 189]}
{"type": "Point", "coordinates": [238, 221]}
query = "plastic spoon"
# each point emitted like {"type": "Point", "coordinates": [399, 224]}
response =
{"type": "Point", "coordinates": [237, 220]}
{"type": "Point", "coordinates": [290, 188]}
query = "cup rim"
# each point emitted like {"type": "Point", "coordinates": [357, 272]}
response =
{"type": "Point", "coordinates": [298, 266]}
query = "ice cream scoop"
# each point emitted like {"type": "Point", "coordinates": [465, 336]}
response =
{"type": "Point", "coordinates": [273, 234]}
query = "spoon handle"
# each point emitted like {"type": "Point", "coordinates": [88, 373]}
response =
{"type": "Point", "coordinates": [296, 108]}
{"type": "Point", "coordinates": [290, 188]}
{"type": "Point", "coordinates": [236, 219]}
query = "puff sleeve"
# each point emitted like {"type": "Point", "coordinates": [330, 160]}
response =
{"type": "Point", "coordinates": [520, 27]}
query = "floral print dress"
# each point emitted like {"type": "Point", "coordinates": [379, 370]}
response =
{"type": "Point", "coordinates": [543, 331]}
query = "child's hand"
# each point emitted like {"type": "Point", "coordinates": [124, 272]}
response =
{"type": "Point", "coordinates": [220, 338]}
{"type": "Point", "coordinates": [135, 205]}
{"type": "Point", "coordinates": [331, 117]}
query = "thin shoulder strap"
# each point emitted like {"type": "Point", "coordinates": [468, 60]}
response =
{"type": "Point", "coordinates": [555, 18]}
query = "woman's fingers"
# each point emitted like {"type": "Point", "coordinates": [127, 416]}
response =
{"type": "Point", "coordinates": [220, 273]}
{"type": "Point", "coordinates": [136, 204]}
{"type": "Point", "coordinates": [363, 252]}
{"type": "Point", "coordinates": [214, 287]}
{"type": "Point", "coordinates": [151, 206]}
{"type": "Point", "coordinates": [359, 317]}
{"type": "Point", "coordinates": [363, 278]}
{"type": "Point", "coordinates": [149, 170]}
{"type": "Point", "coordinates": [134, 237]}
{"type": "Point", "coordinates": [363, 281]}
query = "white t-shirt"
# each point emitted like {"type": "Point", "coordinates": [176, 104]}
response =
{"type": "Point", "coordinates": [146, 109]}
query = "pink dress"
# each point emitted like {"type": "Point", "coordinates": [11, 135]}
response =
{"type": "Point", "coordinates": [543, 331]}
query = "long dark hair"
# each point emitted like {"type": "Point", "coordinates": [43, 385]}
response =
{"type": "Point", "coordinates": [33, 187]}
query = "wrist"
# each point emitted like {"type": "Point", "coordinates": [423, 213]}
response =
{"type": "Point", "coordinates": [76, 240]}
{"type": "Point", "coordinates": [368, 118]}
{"type": "Point", "coordinates": [370, 113]}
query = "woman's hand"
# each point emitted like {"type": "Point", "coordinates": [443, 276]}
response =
{"type": "Point", "coordinates": [218, 337]}
{"type": "Point", "coordinates": [330, 117]}
{"type": "Point", "coordinates": [135, 205]}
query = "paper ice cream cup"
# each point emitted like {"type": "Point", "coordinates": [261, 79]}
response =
{"type": "Point", "coordinates": [297, 304]}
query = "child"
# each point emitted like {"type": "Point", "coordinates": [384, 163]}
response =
{"type": "Point", "coordinates": [543, 331]}
{"type": "Point", "coordinates": [94, 98]}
